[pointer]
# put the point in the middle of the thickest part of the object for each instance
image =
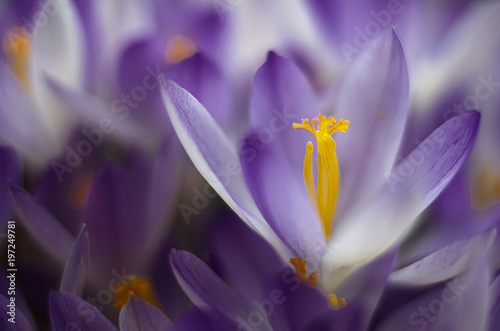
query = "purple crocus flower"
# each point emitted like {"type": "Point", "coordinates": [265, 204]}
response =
{"type": "Point", "coordinates": [264, 181]}
{"type": "Point", "coordinates": [125, 208]}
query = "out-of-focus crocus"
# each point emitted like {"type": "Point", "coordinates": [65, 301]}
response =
{"type": "Point", "coordinates": [32, 118]}
{"type": "Point", "coordinates": [125, 209]}
{"type": "Point", "coordinates": [68, 310]}
{"type": "Point", "coordinates": [264, 181]}
{"type": "Point", "coordinates": [78, 68]}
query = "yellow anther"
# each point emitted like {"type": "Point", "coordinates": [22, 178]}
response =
{"type": "Point", "coordinates": [179, 48]}
{"type": "Point", "coordinates": [17, 49]}
{"type": "Point", "coordinates": [335, 303]}
{"type": "Point", "coordinates": [300, 268]}
{"type": "Point", "coordinates": [137, 286]}
{"type": "Point", "coordinates": [327, 178]}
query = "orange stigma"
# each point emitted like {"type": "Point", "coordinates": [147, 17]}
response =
{"type": "Point", "coordinates": [300, 268]}
{"type": "Point", "coordinates": [137, 286]}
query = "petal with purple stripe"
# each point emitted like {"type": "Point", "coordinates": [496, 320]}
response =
{"type": "Point", "coordinates": [410, 188]}
{"type": "Point", "coordinates": [210, 293]}
{"type": "Point", "coordinates": [140, 315]}
{"type": "Point", "coordinates": [42, 225]}
{"type": "Point", "coordinates": [445, 263]}
{"type": "Point", "coordinates": [367, 151]}
{"type": "Point", "coordinates": [75, 272]}
{"type": "Point", "coordinates": [214, 155]}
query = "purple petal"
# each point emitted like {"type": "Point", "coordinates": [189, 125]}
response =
{"type": "Point", "coordinates": [280, 96]}
{"type": "Point", "coordinates": [208, 292]}
{"type": "Point", "coordinates": [57, 49]}
{"type": "Point", "coordinates": [12, 320]}
{"type": "Point", "coordinates": [42, 225]}
{"type": "Point", "coordinates": [10, 170]}
{"type": "Point", "coordinates": [75, 272]}
{"type": "Point", "coordinates": [245, 257]}
{"type": "Point", "coordinates": [109, 118]}
{"type": "Point", "coordinates": [205, 80]}
{"type": "Point", "coordinates": [140, 315]}
{"type": "Point", "coordinates": [283, 201]}
{"type": "Point", "coordinates": [410, 188]}
{"type": "Point", "coordinates": [21, 124]}
{"type": "Point", "coordinates": [366, 284]}
{"type": "Point", "coordinates": [445, 263]}
{"type": "Point", "coordinates": [139, 67]}
{"type": "Point", "coordinates": [213, 155]}
{"type": "Point", "coordinates": [460, 305]}
{"type": "Point", "coordinates": [196, 320]}
{"type": "Point", "coordinates": [494, 320]}
{"type": "Point", "coordinates": [366, 152]}
{"type": "Point", "coordinates": [68, 311]}
{"type": "Point", "coordinates": [114, 215]}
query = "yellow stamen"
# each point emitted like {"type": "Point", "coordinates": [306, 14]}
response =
{"type": "Point", "coordinates": [137, 286]}
{"type": "Point", "coordinates": [300, 268]}
{"type": "Point", "coordinates": [179, 48]}
{"type": "Point", "coordinates": [327, 178]}
{"type": "Point", "coordinates": [335, 303]}
{"type": "Point", "coordinates": [17, 49]}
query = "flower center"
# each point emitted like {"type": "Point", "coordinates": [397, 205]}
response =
{"type": "Point", "coordinates": [311, 279]}
{"type": "Point", "coordinates": [324, 196]}
{"type": "Point", "coordinates": [137, 286]}
{"type": "Point", "coordinates": [17, 49]}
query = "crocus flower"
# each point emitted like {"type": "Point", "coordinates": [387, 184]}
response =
{"type": "Point", "coordinates": [33, 121]}
{"type": "Point", "coordinates": [264, 181]}
{"type": "Point", "coordinates": [125, 209]}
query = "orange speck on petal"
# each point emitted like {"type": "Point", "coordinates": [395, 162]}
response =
{"type": "Point", "coordinates": [179, 48]}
